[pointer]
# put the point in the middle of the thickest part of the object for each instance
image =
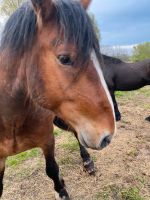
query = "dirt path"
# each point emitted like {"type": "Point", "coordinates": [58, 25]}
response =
{"type": "Point", "coordinates": [123, 169]}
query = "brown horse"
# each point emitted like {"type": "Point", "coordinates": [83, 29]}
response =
{"type": "Point", "coordinates": [49, 55]}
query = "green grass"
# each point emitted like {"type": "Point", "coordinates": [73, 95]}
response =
{"type": "Point", "coordinates": [71, 145]}
{"type": "Point", "coordinates": [94, 158]}
{"type": "Point", "coordinates": [14, 161]}
{"type": "Point", "coordinates": [102, 195]}
{"type": "Point", "coordinates": [147, 106]}
{"type": "Point", "coordinates": [57, 132]}
{"type": "Point", "coordinates": [133, 152]}
{"type": "Point", "coordinates": [145, 91]}
{"type": "Point", "coordinates": [131, 193]}
{"type": "Point", "coordinates": [67, 160]}
{"type": "Point", "coordinates": [120, 93]}
{"type": "Point", "coordinates": [119, 193]}
{"type": "Point", "coordinates": [141, 181]}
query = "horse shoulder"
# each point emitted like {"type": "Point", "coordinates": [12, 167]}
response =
{"type": "Point", "coordinates": [24, 132]}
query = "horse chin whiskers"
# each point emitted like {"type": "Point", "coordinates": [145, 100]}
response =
{"type": "Point", "coordinates": [97, 144]}
{"type": "Point", "coordinates": [83, 138]}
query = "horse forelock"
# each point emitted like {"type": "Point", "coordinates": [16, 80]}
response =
{"type": "Point", "coordinates": [20, 30]}
{"type": "Point", "coordinates": [77, 27]}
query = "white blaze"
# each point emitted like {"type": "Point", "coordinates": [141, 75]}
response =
{"type": "Point", "coordinates": [101, 76]}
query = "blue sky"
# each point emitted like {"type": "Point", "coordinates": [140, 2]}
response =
{"type": "Point", "coordinates": [122, 22]}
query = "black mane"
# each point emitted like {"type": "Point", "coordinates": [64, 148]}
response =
{"type": "Point", "coordinates": [20, 30]}
{"type": "Point", "coordinates": [111, 59]}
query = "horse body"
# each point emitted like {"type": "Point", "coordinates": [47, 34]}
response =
{"type": "Point", "coordinates": [47, 65]}
{"type": "Point", "coordinates": [121, 76]}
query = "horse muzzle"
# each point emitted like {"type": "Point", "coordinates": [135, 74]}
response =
{"type": "Point", "coordinates": [104, 141]}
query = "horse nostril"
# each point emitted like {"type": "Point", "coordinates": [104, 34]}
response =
{"type": "Point", "coordinates": [106, 141]}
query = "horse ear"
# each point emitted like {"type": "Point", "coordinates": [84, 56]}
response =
{"type": "Point", "coordinates": [44, 8]}
{"type": "Point", "coordinates": [85, 3]}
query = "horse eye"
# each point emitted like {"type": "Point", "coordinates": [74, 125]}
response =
{"type": "Point", "coordinates": [65, 59]}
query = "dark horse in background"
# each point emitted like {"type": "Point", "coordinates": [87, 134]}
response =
{"type": "Point", "coordinates": [49, 55]}
{"type": "Point", "coordinates": [119, 76]}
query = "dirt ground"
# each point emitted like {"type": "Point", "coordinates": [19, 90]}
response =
{"type": "Point", "coordinates": [122, 169]}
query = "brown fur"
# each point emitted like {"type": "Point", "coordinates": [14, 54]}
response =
{"type": "Point", "coordinates": [85, 3]}
{"type": "Point", "coordinates": [35, 85]}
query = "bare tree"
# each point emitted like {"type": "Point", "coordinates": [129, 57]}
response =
{"type": "Point", "coordinates": [117, 52]}
{"type": "Point", "coordinates": [96, 27]}
{"type": "Point", "coordinates": [7, 7]}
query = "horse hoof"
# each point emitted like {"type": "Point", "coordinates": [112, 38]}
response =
{"type": "Point", "coordinates": [62, 195]}
{"type": "Point", "coordinates": [118, 117]}
{"type": "Point", "coordinates": [89, 167]}
{"type": "Point", "coordinates": [147, 119]}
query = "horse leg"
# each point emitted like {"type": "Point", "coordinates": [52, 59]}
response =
{"type": "Point", "coordinates": [52, 171]}
{"type": "Point", "coordinates": [61, 124]}
{"type": "Point", "coordinates": [117, 112]}
{"type": "Point", "coordinates": [2, 169]}
{"type": "Point", "coordinates": [87, 161]}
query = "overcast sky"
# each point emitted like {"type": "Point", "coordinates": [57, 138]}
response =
{"type": "Point", "coordinates": [122, 22]}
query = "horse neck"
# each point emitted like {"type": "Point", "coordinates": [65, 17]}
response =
{"type": "Point", "coordinates": [148, 65]}
{"type": "Point", "coordinates": [13, 92]}
{"type": "Point", "coordinates": [144, 68]}
{"type": "Point", "coordinates": [145, 64]}
{"type": "Point", "coordinates": [148, 71]}
{"type": "Point", "coordinates": [111, 60]}
{"type": "Point", "coordinates": [13, 70]}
